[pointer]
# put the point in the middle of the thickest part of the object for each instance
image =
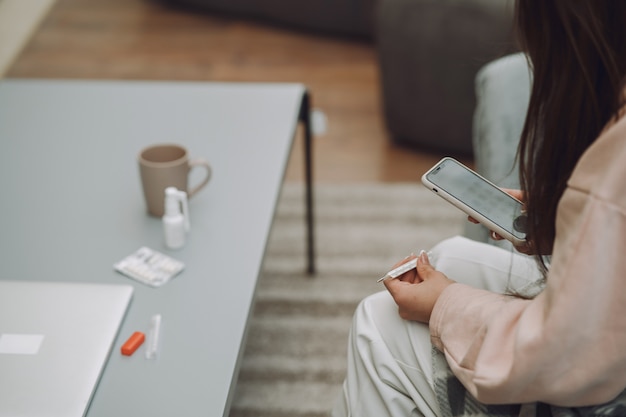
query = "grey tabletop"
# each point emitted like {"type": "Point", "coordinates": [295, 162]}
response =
{"type": "Point", "coordinates": [72, 206]}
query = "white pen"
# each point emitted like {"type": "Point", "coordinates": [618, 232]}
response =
{"type": "Point", "coordinates": [396, 272]}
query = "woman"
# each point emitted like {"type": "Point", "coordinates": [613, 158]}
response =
{"type": "Point", "coordinates": [482, 331]}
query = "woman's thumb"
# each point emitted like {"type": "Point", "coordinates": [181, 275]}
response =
{"type": "Point", "coordinates": [424, 268]}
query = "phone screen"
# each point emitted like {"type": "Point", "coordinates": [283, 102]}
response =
{"type": "Point", "coordinates": [485, 198]}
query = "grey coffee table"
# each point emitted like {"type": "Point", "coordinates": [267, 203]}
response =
{"type": "Point", "coordinates": [71, 206]}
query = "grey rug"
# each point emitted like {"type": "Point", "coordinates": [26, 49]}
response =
{"type": "Point", "coordinates": [295, 356]}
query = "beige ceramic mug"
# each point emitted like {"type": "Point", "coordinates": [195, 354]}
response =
{"type": "Point", "coordinates": [167, 165]}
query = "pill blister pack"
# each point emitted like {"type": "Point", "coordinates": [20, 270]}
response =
{"type": "Point", "coordinates": [149, 267]}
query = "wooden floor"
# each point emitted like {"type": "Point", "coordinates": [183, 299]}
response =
{"type": "Point", "coordinates": [141, 39]}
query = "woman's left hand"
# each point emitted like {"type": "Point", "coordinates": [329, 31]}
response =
{"type": "Point", "coordinates": [416, 291]}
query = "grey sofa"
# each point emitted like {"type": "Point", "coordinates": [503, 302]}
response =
{"type": "Point", "coordinates": [429, 52]}
{"type": "Point", "coordinates": [502, 95]}
{"type": "Point", "coordinates": [335, 17]}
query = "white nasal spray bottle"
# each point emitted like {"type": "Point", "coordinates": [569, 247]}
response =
{"type": "Point", "coordinates": [175, 222]}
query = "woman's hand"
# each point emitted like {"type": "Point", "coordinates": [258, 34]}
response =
{"type": "Point", "coordinates": [416, 291]}
{"type": "Point", "coordinates": [518, 194]}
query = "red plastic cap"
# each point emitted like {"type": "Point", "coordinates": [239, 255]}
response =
{"type": "Point", "coordinates": [133, 342]}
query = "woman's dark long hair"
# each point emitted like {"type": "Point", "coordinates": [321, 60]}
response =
{"type": "Point", "coordinates": [577, 52]}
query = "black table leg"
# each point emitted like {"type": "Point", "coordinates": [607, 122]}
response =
{"type": "Point", "coordinates": [305, 118]}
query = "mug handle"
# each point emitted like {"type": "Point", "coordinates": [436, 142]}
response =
{"type": "Point", "coordinates": [199, 163]}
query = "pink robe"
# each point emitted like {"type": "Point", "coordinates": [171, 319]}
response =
{"type": "Point", "coordinates": [568, 345]}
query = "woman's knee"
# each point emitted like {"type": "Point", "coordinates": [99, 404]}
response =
{"type": "Point", "coordinates": [373, 309]}
{"type": "Point", "coordinates": [482, 265]}
{"type": "Point", "coordinates": [457, 247]}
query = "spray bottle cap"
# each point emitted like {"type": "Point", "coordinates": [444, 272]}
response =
{"type": "Point", "coordinates": [174, 199]}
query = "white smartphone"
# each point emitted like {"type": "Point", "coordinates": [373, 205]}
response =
{"type": "Point", "coordinates": [479, 198]}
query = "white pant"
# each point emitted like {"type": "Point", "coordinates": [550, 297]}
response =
{"type": "Point", "coordinates": [389, 359]}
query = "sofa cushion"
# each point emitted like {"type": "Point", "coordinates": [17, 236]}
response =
{"type": "Point", "coordinates": [502, 95]}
